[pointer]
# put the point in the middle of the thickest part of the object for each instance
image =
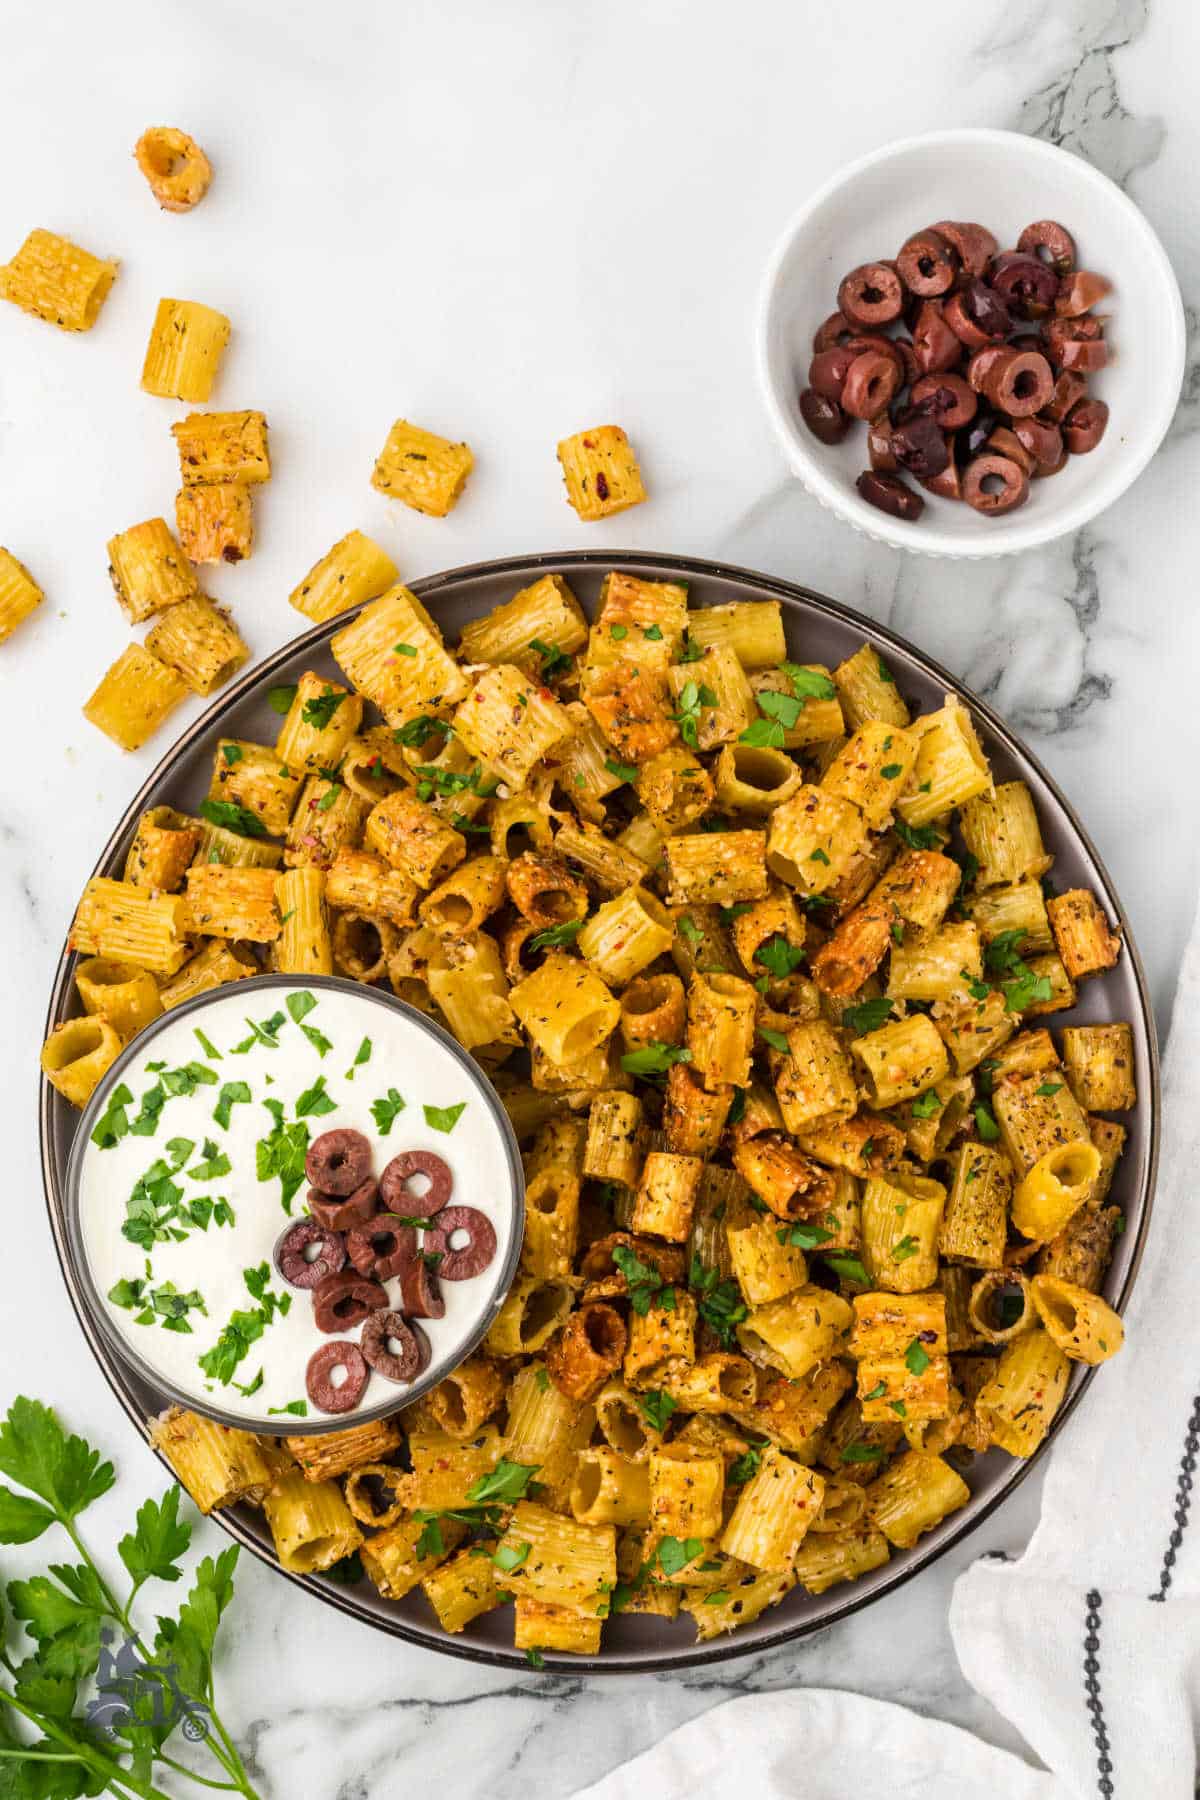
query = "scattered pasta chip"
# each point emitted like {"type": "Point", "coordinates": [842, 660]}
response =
{"type": "Point", "coordinates": [427, 472]}
{"type": "Point", "coordinates": [601, 472]}
{"type": "Point", "coordinates": [134, 698]}
{"type": "Point", "coordinates": [223, 447]}
{"type": "Point", "coordinates": [175, 166]}
{"type": "Point", "coordinates": [57, 281]}
{"type": "Point", "coordinates": [185, 350]}
{"type": "Point", "coordinates": [215, 521]}
{"type": "Point", "coordinates": [19, 593]}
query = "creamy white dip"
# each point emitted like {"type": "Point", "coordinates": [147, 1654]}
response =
{"type": "Point", "coordinates": [176, 1241]}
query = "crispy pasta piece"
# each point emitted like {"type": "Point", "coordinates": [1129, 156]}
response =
{"type": "Point", "coordinates": [427, 472]}
{"type": "Point", "coordinates": [187, 342]}
{"type": "Point", "coordinates": [57, 281]}
{"type": "Point", "coordinates": [601, 472]}
{"type": "Point", "coordinates": [135, 697]}
{"type": "Point", "coordinates": [19, 593]}
{"type": "Point", "coordinates": [215, 522]}
{"type": "Point", "coordinates": [176, 167]}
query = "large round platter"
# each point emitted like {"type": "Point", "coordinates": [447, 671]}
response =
{"type": "Point", "coordinates": [818, 630]}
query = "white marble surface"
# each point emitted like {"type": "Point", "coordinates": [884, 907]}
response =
{"type": "Point", "coordinates": [512, 221]}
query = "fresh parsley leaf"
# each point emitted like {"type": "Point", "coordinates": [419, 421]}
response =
{"type": "Point", "coordinates": [808, 684]}
{"type": "Point", "coordinates": [654, 1059]}
{"type": "Point", "coordinates": [554, 937]}
{"type": "Point", "coordinates": [230, 817]}
{"type": "Point", "coordinates": [746, 1466]}
{"type": "Point", "coordinates": [693, 696]}
{"type": "Point", "coordinates": [890, 771]}
{"type": "Point", "coordinates": [151, 1552]}
{"type": "Point", "coordinates": [554, 660]}
{"type": "Point", "coordinates": [314, 1102]}
{"type": "Point", "coordinates": [1048, 1089]}
{"type": "Point", "coordinates": [926, 1104]}
{"type": "Point", "coordinates": [113, 1123]}
{"type": "Point", "coordinates": [775, 1039]}
{"type": "Point", "coordinates": [299, 1408]}
{"type": "Point", "coordinates": [907, 1246]}
{"type": "Point", "coordinates": [917, 837]}
{"type": "Point", "coordinates": [404, 649]}
{"type": "Point", "coordinates": [675, 1553]}
{"type": "Point", "coordinates": [847, 1267]}
{"type": "Point", "coordinates": [213, 1164]}
{"type": "Point", "coordinates": [534, 1658]}
{"type": "Point", "coordinates": [643, 1280]}
{"type": "Point", "coordinates": [868, 1015]}
{"type": "Point", "coordinates": [444, 1118]}
{"type": "Point", "coordinates": [779, 957]}
{"type": "Point", "coordinates": [916, 1357]}
{"type": "Point", "coordinates": [763, 734]}
{"type": "Point", "coordinates": [232, 1094]}
{"type": "Point", "coordinates": [877, 1392]}
{"type": "Point", "coordinates": [279, 699]}
{"type": "Point", "coordinates": [281, 1153]}
{"type": "Point", "coordinates": [718, 1302]}
{"type": "Point", "coordinates": [653, 633]}
{"type": "Point", "coordinates": [362, 1055]}
{"type": "Point", "coordinates": [318, 712]}
{"type": "Point", "coordinates": [206, 1044]}
{"type": "Point", "coordinates": [232, 753]}
{"type": "Point", "coordinates": [657, 1407]}
{"type": "Point", "coordinates": [689, 930]}
{"type": "Point", "coordinates": [862, 1453]}
{"type": "Point", "coordinates": [37, 1454]}
{"type": "Point", "coordinates": [985, 1124]}
{"type": "Point", "coordinates": [387, 1110]}
{"type": "Point", "coordinates": [505, 1484]}
{"type": "Point", "coordinates": [622, 771]}
{"type": "Point", "coordinates": [804, 1236]}
{"type": "Point", "coordinates": [510, 1556]}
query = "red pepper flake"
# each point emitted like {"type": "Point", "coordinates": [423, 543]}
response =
{"type": "Point", "coordinates": [601, 486]}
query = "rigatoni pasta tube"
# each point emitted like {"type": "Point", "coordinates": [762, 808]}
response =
{"type": "Point", "coordinates": [233, 903]}
{"type": "Point", "coordinates": [216, 1464]}
{"type": "Point", "coordinates": [901, 1060]}
{"type": "Point", "coordinates": [871, 768]}
{"type": "Point", "coordinates": [1019, 1402]}
{"type": "Point", "coordinates": [1055, 1187]}
{"type": "Point", "coordinates": [76, 1056]}
{"type": "Point", "coordinates": [814, 1085]}
{"type": "Point", "coordinates": [546, 610]}
{"type": "Point", "coordinates": [813, 839]}
{"type": "Point", "coordinates": [625, 935]}
{"type": "Point", "coordinates": [461, 1590]}
{"type": "Point", "coordinates": [304, 946]}
{"type": "Point", "coordinates": [355, 570]}
{"type": "Point", "coordinates": [611, 1152]}
{"type": "Point", "coordinates": [134, 697]}
{"type": "Point", "coordinates": [392, 1561]}
{"type": "Point", "coordinates": [666, 1195]}
{"type": "Point", "coordinates": [411, 837]}
{"type": "Point", "coordinates": [119, 991]}
{"type": "Point", "coordinates": [901, 1220]}
{"type": "Point", "coordinates": [773, 1513]}
{"type": "Point", "coordinates": [1084, 1326]}
{"type": "Point", "coordinates": [118, 920]}
{"type": "Point", "coordinates": [310, 1523]}
{"type": "Point", "coordinates": [950, 767]}
{"type": "Point", "coordinates": [867, 689]}
{"type": "Point", "coordinates": [797, 1332]}
{"type": "Point", "coordinates": [1001, 831]}
{"type": "Point", "coordinates": [556, 1560]}
{"type": "Point", "coordinates": [532, 1312]}
{"type": "Point", "coordinates": [608, 1489]}
{"type": "Point", "coordinates": [19, 593]}
{"type": "Point", "coordinates": [1081, 931]}
{"type": "Point", "coordinates": [974, 1225]}
{"type": "Point", "coordinates": [566, 1008]}
{"type": "Point", "coordinates": [825, 1559]}
{"type": "Point", "coordinates": [912, 1495]}
{"type": "Point", "coordinates": [686, 1490]}
{"type": "Point", "coordinates": [200, 642]}
{"type": "Point", "coordinates": [720, 1034]}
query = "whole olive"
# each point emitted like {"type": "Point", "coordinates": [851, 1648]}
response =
{"type": "Point", "coordinates": [890, 495]}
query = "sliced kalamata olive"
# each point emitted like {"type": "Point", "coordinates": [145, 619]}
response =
{"type": "Point", "coordinates": [433, 1172]}
{"type": "Point", "coordinates": [919, 445]}
{"type": "Point", "coordinates": [342, 1301]}
{"type": "Point", "coordinates": [983, 362]}
{"type": "Point", "coordinates": [1005, 442]}
{"type": "Point", "coordinates": [908, 357]}
{"type": "Point", "coordinates": [1069, 389]}
{"type": "Point", "coordinates": [970, 441]}
{"type": "Point", "coordinates": [343, 1215]}
{"type": "Point", "coordinates": [994, 484]}
{"type": "Point", "coordinates": [1021, 385]}
{"type": "Point", "coordinates": [1079, 293]}
{"type": "Point", "coordinates": [420, 1295]}
{"type": "Point", "coordinates": [322, 1366]}
{"type": "Point", "coordinates": [831, 331]}
{"type": "Point", "coordinates": [1027, 286]}
{"type": "Point", "coordinates": [946, 398]}
{"type": "Point", "coordinates": [977, 315]}
{"type": "Point", "coordinates": [1076, 343]}
{"type": "Point", "coordinates": [879, 443]}
{"type": "Point", "coordinates": [827, 372]}
{"type": "Point", "coordinates": [307, 1253]}
{"type": "Point", "coordinates": [890, 495]}
{"type": "Point", "coordinates": [1051, 243]}
{"type": "Point", "coordinates": [382, 1246]}
{"type": "Point", "coordinates": [948, 484]}
{"type": "Point", "coordinates": [927, 264]}
{"type": "Point", "coordinates": [471, 1258]}
{"type": "Point", "coordinates": [1084, 426]}
{"type": "Point", "coordinates": [824, 419]}
{"type": "Point", "coordinates": [1042, 439]}
{"type": "Point", "coordinates": [389, 1345]}
{"type": "Point", "coordinates": [338, 1162]}
{"type": "Point", "coordinates": [1027, 340]}
{"type": "Point", "coordinates": [870, 383]}
{"type": "Point", "coordinates": [935, 346]}
{"type": "Point", "coordinates": [871, 295]}
{"type": "Point", "coordinates": [974, 243]}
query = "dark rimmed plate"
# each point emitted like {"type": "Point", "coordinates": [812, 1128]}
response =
{"type": "Point", "coordinates": [819, 630]}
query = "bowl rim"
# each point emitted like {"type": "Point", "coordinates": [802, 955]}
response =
{"type": "Point", "coordinates": [927, 539]}
{"type": "Point", "coordinates": [266, 1424]}
{"type": "Point", "coordinates": [897, 1573]}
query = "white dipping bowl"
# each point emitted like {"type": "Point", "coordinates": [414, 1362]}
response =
{"type": "Point", "coordinates": [1004, 181]}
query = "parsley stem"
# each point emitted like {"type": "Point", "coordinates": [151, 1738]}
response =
{"type": "Point", "coordinates": [119, 1781]}
{"type": "Point", "coordinates": [230, 1787]}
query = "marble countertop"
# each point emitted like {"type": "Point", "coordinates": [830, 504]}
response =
{"type": "Point", "coordinates": [511, 222]}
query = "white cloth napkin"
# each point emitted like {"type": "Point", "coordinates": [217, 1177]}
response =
{"type": "Point", "coordinates": [1090, 1642]}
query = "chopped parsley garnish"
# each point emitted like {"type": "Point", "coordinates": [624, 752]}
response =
{"type": "Point", "coordinates": [676, 1553]}
{"type": "Point", "coordinates": [803, 1236]}
{"type": "Point", "coordinates": [510, 1556]}
{"type": "Point", "coordinates": [868, 1015]}
{"type": "Point", "coordinates": [245, 1327]}
{"type": "Point", "coordinates": [862, 1453]}
{"type": "Point", "coordinates": [656, 1407]}
{"type": "Point", "coordinates": [775, 1039]}
{"type": "Point", "coordinates": [916, 1358]}
{"type": "Point", "coordinates": [693, 696]}
{"type": "Point", "coordinates": [414, 731]}
{"type": "Point", "coordinates": [266, 1033]}
{"type": "Point", "coordinates": [206, 1044]}
{"type": "Point", "coordinates": [985, 1124]}
{"type": "Point", "coordinates": [554, 660]}
{"type": "Point", "coordinates": [113, 1124]}
{"type": "Point", "coordinates": [847, 1267]}
{"type": "Point", "coordinates": [404, 649]}
{"type": "Point", "coordinates": [230, 817]}
{"type": "Point", "coordinates": [1048, 1089]}
{"type": "Point", "coordinates": [622, 771]}
{"type": "Point", "coordinates": [314, 1102]}
{"type": "Point", "coordinates": [820, 856]}
{"type": "Point", "coordinates": [444, 1118]}
{"type": "Point", "coordinates": [618, 632]}
{"type": "Point", "coordinates": [282, 1152]}
{"type": "Point", "coordinates": [907, 1246]}
{"type": "Point", "coordinates": [164, 1305]}
{"type": "Point", "coordinates": [556, 936]}
{"type": "Point", "coordinates": [689, 929]}
{"type": "Point", "coordinates": [385, 1111]}
{"type": "Point", "coordinates": [877, 1392]}
{"type": "Point", "coordinates": [1020, 986]}
{"type": "Point", "coordinates": [362, 1055]}
{"type": "Point", "coordinates": [918, 837]}
{"type": "Point", "coordinates": [746, 1466]}
{"type": "Point", "coordinates": [213, 1164]}
{"type": "Point", "coordinates": [653, 633]}
{"type": "Point", "coordinates": [505, 1484]}
{"type": "Point", "coordinates": [319, 711]}
{"type": "Point", "coordinates": [644, 1282]}
{"type": "Point", "coordinates": [778, 957]}
{"type": "Point", "coordinates": [718, 1302]}
{"type": "Point", "coordinates": [926, 1104]}
{"type": "Point", "coordinates": [232, 753]}
{"type": "Point", "coordinates": [279, 699]}
{"type": "Point", "coordinates": [232, 1092]}
{"type": "Point", "coordinates": [299, 1408]}
{"type": "Point", "coordinates": [654, 1059]}
{"type": "Point", "coordinates": [890, 771]}
{"type": "Point", "coordinates": [299, 1006]}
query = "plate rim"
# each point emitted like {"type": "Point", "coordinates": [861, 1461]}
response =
{"type": "Point", "coordinates": [728, 1647]}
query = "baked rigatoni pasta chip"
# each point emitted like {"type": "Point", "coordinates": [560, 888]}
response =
{"type": "Point", "coordinates": [148, 570]}
{"type": "Point", "coordinates": [134, 698]}
{"type": "Point", "coordinates": [175, 166]}
{"type": "Point", "coordinates": [19, 593]}
{"type": "Point", "coordinates": [427, 472]}
{"type": "Point", "coordinates": [227, 446]}
{"type": "Point", "coordinates": [57, 281]}
{"type": "Point", "coordinates": [200, 642]}
{"type": "Point", "coordinates": [601, 472]}
{"type": "Point", "coordinates": [187, 341]}
{"type": "Point", "coordinates": [355, 570]}
{"type": "Point", "coordinates": [215, 521]}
